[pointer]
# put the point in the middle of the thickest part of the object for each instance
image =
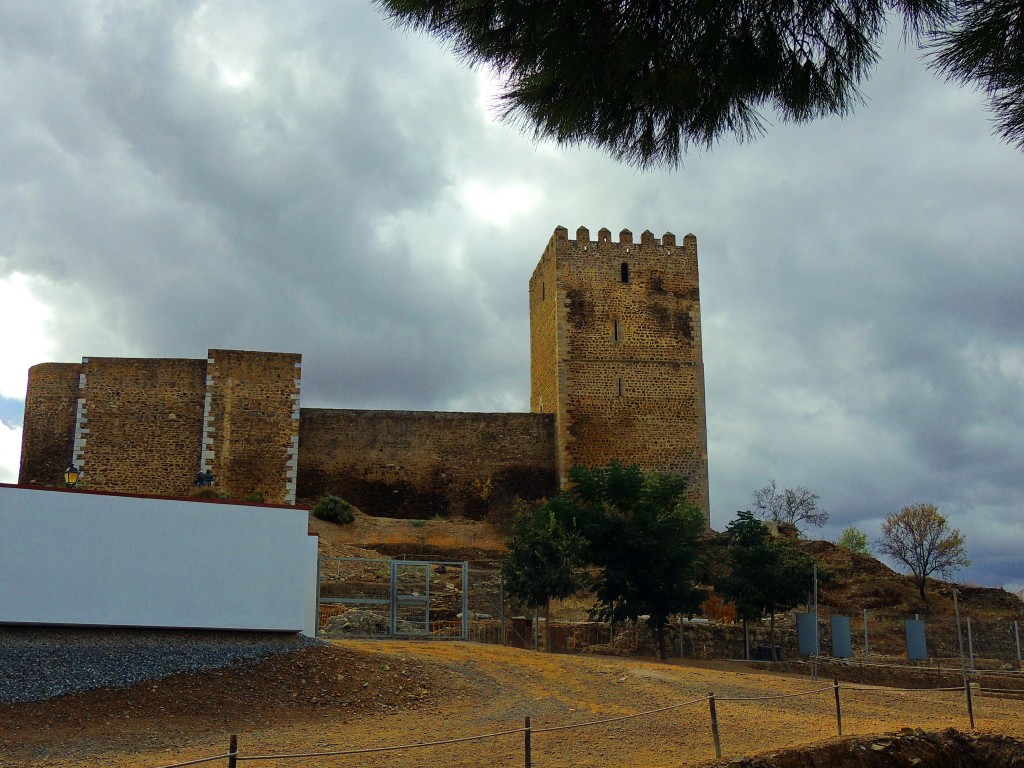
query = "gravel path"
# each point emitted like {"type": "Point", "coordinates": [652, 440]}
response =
{"type": "Point", "coordinates": [37, 664]}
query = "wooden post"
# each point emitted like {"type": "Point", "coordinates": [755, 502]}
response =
{"type": "Point", "coordinates": [233, 752]}
{"type": "Point", "coordinates": [839, 711]}
{"type": "Point", "coordinates": [970, 704]}
{"type": "Point", "coordinates": [526, 739]}
{"type": "Point", "coordinates": [714, 725]}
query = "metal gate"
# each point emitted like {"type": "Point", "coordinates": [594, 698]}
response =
{"type": "Point", "coordinates": [364, 597]}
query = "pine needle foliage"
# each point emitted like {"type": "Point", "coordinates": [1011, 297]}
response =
{"type": "Point", "coordinates": [645, 80]}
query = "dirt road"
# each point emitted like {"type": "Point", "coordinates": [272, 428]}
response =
{"type": "Point", "coordinates": [362, 694]}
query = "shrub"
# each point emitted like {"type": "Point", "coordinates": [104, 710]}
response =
{"type": "Point", "coordinates": [256, 497]}
{"type": "Point", "coordinates": [334, 510]}
{"type": "Point", "coordinates": [205, 493]}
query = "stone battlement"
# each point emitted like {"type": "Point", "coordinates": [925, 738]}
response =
{"type": "Point", "coordinates": [616, 373]}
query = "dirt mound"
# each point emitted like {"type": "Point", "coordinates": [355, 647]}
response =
{"type": "Point", "coordinates": [852, 582]}
{"type": "Point", "coordinates": [440, 538]}
{"type": "Point", "coordinates": [288, 687]}
{"type": "Point", "coordinates": [909, 747]}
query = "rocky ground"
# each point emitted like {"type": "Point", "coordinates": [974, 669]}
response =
{"type": "Point", "coordinates": [359, 694]}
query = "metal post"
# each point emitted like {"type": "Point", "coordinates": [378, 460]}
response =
{"type": "Point", "coordinates": [865, 635]}
{"type": "Point", "coordinates": [316, 628]}
{"type": "Point", "coordinates": [1016, 636]}
{"type": "Point", "coordinates": [393, 591]}
{"type": "Point", "coordinates": [465, 600]}
{"type": "Point", "coordinates": [917, 617]}
{"type": "Point", "coordinates": [501, 606]}
{"type": "Point", "coordinates": [963, 666]}
{"type": "Point", "coordinates": [526, 740]}
{"type": "Point", "coordinates": [714, 725]}
{"type": "Point", "coordinates": [814, 675]}
{"type": "Point", "coordinates": [233, 752]}
{"type": "Point", "coordinates": [426, 605]}
{"type": "Point", "coordinates": [839, 711]}
{"type": "Point", "coordinates": [970, 643]}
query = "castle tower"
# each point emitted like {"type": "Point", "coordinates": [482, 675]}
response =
{"type": "Point", "coordinates": [615, 353]}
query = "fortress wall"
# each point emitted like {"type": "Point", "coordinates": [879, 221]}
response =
{"type": "Point", "coordinates": [420, 464]}
{"type": "Point", "coordinates": [47, 439]}
{"type": "Point", "coordinates": [139, 424]}
{"type": "Point", "coordinates": [251, 424]}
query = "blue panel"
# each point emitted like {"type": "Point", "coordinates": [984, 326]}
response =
{"type": "Point", "coordinates": [917, 650]}
{"type": "Point", "coordinates": [806, 633]}
{"type": "Point", "coordinates": [841, 648]}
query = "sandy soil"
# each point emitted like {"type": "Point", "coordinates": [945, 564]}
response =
{"type": "Point", "coordinates": [355, 694]}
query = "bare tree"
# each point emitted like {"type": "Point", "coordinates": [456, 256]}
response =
{"type": "Point", "coordinates": [793, 505]}
{"type": "Point", "coordinates": [920, 538]}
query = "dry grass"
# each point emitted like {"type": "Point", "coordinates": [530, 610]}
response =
{"type": "Point", "coordinates": [440, 539]}
{"type": "Point", "coordinates": [483, 689]}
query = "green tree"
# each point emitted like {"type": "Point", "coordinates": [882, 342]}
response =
{"type": "Point", "coordinates": [920, 538]}
{"type": "Point", "coordinates": [543, 562]}
{"type": "Point", "coordinates": [762, 575]}
{"type": "Point", "coordinates": [855, 540]}
{"type": "Point", "coordinates": [642, 539]}
{"type": "Point", "coordinates": [644, 80]}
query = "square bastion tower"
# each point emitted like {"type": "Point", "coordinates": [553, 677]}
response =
{"type": "Point", "coordinates": [615, 353]}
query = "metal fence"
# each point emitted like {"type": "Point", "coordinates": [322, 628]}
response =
{"type": "Point", "coordinates": [446, 600]}
{"type": "Point", "coordinates": [882, 636]}
{"type": "Point", "coordinates": [366, 597]}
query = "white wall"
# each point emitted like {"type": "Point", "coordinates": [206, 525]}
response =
{"type": "Point", "coordinates": [73, 557]}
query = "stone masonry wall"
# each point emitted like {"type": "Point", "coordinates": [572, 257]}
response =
{"type": "Point", "coordinates": [420, 464]}
{"type": "Point", "coordinates": [47, 439]}
{"type": "Point", "coordinates": [139, 424]}
{"type": "Point", "coordinates": [629, 355]}
{"type": "Point", "coordinates": [544, 335]}
{"type": "Point", "coordinates": [251, 423]}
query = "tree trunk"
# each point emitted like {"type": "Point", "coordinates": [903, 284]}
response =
{"type": "Point", "coordinates": [920, 588]}
{"type": "Point", "coordinates": [771, 635]}
{"type": "Point", "coordinates": [662, 653]}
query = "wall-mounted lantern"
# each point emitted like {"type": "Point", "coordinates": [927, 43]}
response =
{"type": "Point", "coordinates": [71, 475]}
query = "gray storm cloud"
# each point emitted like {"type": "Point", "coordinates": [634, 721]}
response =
{"type": "Point", "coordinates": [305, 178]}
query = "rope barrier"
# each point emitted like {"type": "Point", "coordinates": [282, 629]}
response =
{"type": "Point", "coordinates": [953, 668]}
{"type": "Point", "coordinates": [233, 755]}
{"type": "Point", "coordinates": [381, 749]}
{"type": "Point", "coordinates": [885, 688]}
{"type": "Point", "coordinates": [197, 762]}
{"type": "Point", "coordinates": [618, 718]}
{"type": "Point", "coordinates": [776, 696]}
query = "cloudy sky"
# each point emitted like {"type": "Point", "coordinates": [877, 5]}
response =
{"type": "Point", "coordinates": [301, 177]}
